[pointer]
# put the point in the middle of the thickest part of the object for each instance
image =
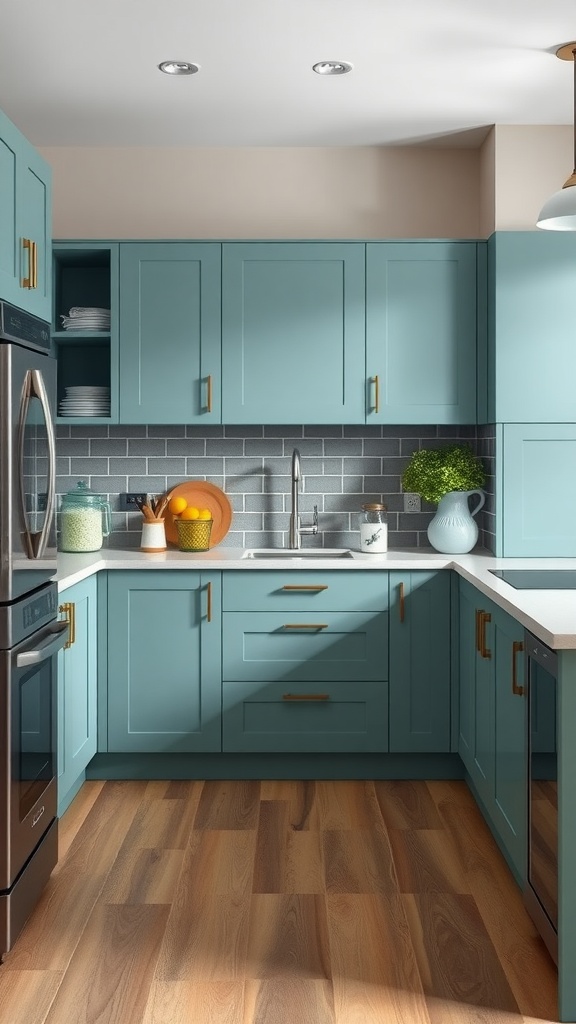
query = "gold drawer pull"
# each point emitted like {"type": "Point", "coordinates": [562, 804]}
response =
{"type": "Point", "coordinates": [209, 393]}
{"type": "Point", "coordinates": [316, 587]}
{"type": "Point", "coordinates": [376, 380]}
{"type": "Point", "coordinates": [305, 625]}
{"type": "Point", "coordinates": [305, 696]}
{"type": "Point", "coordinates": [208, 602]}
{"type": "Point", "coordinates": [28, 282]}
{"type": "Point", "coordinates": [485, 652]}
{"type": "Point", "coordinates": [517, 647]}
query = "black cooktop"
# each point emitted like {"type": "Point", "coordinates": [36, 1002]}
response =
{"type": "Point", "coordinates": [538, 579]}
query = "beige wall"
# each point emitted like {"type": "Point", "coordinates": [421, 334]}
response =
{"type": "Point", "coordinates": [531, 163]}
{"type": "Point", "coordinates": [361, 192]}
{"type": "Point", "coordinates": [488, 185]}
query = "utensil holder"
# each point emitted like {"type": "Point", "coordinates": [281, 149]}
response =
{"type": "Point", "coordinates": [194, 534]}
{"type": "Point", "coordinates": [153, 536]}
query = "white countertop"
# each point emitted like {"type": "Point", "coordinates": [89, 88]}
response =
{"type": "Point", "coordinates": [549, 614]}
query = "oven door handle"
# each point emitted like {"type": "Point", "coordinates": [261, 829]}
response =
{"type": "Point", "coordinates": [56, 639]}
{"type": "Point", "coordinates": [34, 387]}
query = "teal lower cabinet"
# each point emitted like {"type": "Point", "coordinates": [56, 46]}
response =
{"type": "Point", "coordinates": [77, 689]}
{"type": "Point", "coordinates": [420, 668]}
{"type": "Point", "coordinates": [300, 672]}
{"type": "Point", "coordinates": [492, 736]}
{"type": "Point", "coordinates": [164, 672]}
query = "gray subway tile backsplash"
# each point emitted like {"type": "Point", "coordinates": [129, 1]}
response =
{"type": "Point", "coordinates": [342, 468]}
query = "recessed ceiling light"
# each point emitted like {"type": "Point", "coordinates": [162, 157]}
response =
{"type": "Point", "coordinates": [178, 67]}
{"type": "Point", "coordinates": [332, 67]}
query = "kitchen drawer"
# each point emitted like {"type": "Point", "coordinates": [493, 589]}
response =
{"type": "Point", "coordinates": [305, 590]}
{"type": "Point", "coordinates": [340, 716]}
{"type": "Point", "coordinates": [299, 646]}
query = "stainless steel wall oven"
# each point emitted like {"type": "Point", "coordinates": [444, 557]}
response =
{"type": "Point", "coordinates": [30, 635]}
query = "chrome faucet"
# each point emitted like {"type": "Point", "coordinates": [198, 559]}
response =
{"type": "Point", "coordinates": [296, 530]}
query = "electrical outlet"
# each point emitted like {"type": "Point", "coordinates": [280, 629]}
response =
{"type": "Point", "coordinates": [42, 501]}
{"type": "Point", "coordinates": [411, 502]}
{"type": "Point", "coordinates": [129, 502]}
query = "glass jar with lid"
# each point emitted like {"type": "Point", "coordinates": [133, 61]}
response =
{"type": "Point", "coordinates": [84, 519]}
{"type": "Point", "coordinates": [374, 529]}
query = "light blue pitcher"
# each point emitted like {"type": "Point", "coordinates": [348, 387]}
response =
{"type": "Point", "coordinates": [453, 529]}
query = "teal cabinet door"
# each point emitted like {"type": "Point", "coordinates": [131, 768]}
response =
{"type": "Point", "coordinates": [492, 734]}
{"type": "Point", "coordinates": [26, 218]}
{"type": "Point", "coordinates": [510, 745]}
{"type": "Point", "coordinates": [164, 669]}
{"type": "Point", "coordinates": [293, 332]}
{"type": "Point", "coordinates": [532, 358]}
{"type": "Point", "coordinates": [170, 352]}
{"type": "Point", "coordinates": [421, 332]}
{"type": "Point", "coordinates": [420, 683]}
{"type": "Point", "coordinates": [77, 689]}
{"type": "Point", "coordinates": [538, 489]}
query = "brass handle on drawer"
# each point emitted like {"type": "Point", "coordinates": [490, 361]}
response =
{"type": "Point", "coordinates": [208, 602]}
{"type": "Point", "coordinates": [305, 696]}
{"type": "Point", "coordinates": [402, 609]}
{"type": "Point", "coordinates": [305, 625]}
{"type": "Point", "coordinates": [68, 609]}
{"type": "Point", "coordinates": [306, 586]}
{"type": "Point", "coordinates": [517, 647]}
{"type": "Point", "coordinates": [28, 282]}
{"type": "Point", "coordinates": [485, 617]}
{"type": "Point", "coordinates": [209, 393]}
{"type": "Point", "coordinates": [35, 265]}
{"type": "Point", "coordinates": [376, 383]}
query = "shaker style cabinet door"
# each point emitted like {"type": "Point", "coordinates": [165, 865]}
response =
{"type": "Point", "coordinates": [421, 332]}
{"type": "Point", "coordinates": [420, 684]}
{"type": "Point", "coordinates": [26, 219]}
{"type": "Point", "coordinates": [170, 354]}
{"type": "Point", "coordinates": [164, 661]}
{"type": "Point", "coordinates": [532, 283]}
{"type": "Point", "coordinates": [293, 332]}
{"type": "Point", "coordinates": [77, 689]}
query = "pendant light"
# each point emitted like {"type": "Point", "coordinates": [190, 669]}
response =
{"type": "Point", "coordinates": [559, 212]}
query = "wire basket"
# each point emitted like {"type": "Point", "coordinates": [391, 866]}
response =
{"type": "Point", "coordinates": [194, 534]}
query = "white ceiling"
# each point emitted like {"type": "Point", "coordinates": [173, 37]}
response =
{"type": "Point", "coordinates": [84, 72]}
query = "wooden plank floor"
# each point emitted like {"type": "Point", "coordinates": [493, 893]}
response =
{"type": "Point", "coordinates": [278, 903]}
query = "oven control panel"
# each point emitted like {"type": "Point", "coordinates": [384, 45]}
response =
{"type": "Point", "coordinates": [22, 618]}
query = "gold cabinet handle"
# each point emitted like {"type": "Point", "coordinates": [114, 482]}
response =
{"type": "Point", "coordinates": [209, 393]}
{"type": "Point", "coordinates": [35, 265]}
{"type": "Point", "coordinates": [485, 652]}
{"type": "Point", "coordinates": [28, 282]}
{"type": "Point", "coordinates": [68, 610]}
{"type": "Point", "coordinates": [209, 602]}
{"type": "Point", "coordinates": [517, 647]}
{"type": "Point", "coordinates": [305, 625]}
{"type": "Point", "coordinates": [305, 696]}
{"type": "Point", "coordinates": [312, 587]}
{"type": "Point", "coordinates": [402, 607]}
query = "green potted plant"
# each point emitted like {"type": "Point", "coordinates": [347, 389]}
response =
{"type": "Point", "coordinates": [447, 477]}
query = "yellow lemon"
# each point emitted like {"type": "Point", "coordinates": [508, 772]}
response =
{"type": "Point", "coordinates": [177, 504]}
{"type": "Point", "coordinates": [190, 513]}
{"type": "Point", "coordinates": [204, 513]}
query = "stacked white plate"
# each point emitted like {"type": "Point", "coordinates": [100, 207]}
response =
{"type": "Point", "coordinates": [85, 401]}
{"type": "Point", "coordinates": [86, 318]}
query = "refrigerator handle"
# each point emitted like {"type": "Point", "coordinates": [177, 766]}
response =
{"type": "Point", "coordinates": [34, 387]}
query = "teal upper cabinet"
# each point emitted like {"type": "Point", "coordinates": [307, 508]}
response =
{"type": "Point", "coordinates": [170, 352]}
{"type": "Point", "coordinates": [164, 661]}
{"type": "Point", "coordinates": [86, 274]}
{"type": "Point", "coordinates": [420, 689]}
{"type": "Point", "coordinates": [26, 219]}
{"type": "Point", "coordinates": [421, 331]}
{"type": "Point", "coordinates": [532, 357]}
{"type": "Point", "coordinates": [293, 332]}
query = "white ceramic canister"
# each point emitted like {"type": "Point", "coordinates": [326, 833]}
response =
{"type": "Point", "coordinates": [374, 529]}
{"type": "Point", "coordinates": [153, 535]}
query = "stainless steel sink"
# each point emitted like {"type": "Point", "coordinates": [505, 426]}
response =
{"type": "Point", "coordinates": [288, 554]}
